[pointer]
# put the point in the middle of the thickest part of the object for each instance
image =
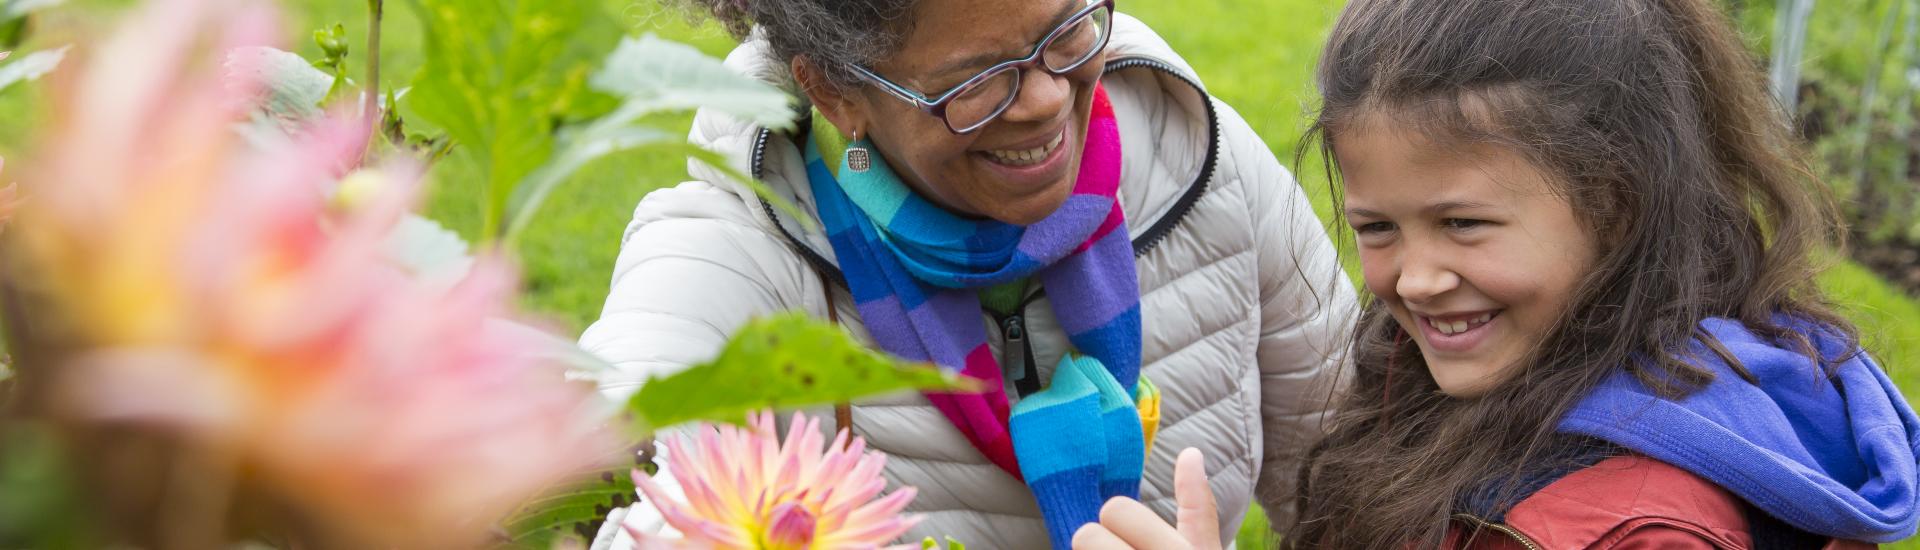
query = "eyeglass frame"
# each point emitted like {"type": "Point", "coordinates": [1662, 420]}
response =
{"type": "Point", "coordinates": [938, 106]}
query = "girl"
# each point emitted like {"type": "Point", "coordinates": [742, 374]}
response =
{"type": "Point", "coordinates": [1593, 322]}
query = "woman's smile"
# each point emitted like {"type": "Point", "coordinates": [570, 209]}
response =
{"type": "Point", "coordinates": [1032, 164]}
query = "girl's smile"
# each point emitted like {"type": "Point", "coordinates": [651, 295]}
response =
{"type": "Point", "coordinates": [1457, 332]}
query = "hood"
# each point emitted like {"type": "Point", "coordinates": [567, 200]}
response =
{"type": "Point", "coordinates": [1832, 455]}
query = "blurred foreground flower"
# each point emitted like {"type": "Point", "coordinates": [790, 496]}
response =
{"type": "Point", "coordinates": [230, 355]}
{"type": "Point", "coordinates": [747, 490]}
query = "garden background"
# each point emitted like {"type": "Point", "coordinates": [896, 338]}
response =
{"type": "Point", "coordinates": [1257, 55]}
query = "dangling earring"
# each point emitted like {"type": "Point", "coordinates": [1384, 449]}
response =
{"type": "Point", "coordinates": [859, 159]}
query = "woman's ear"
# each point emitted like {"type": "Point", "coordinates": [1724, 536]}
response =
{"type": "Point", "coordinates": [844, 109]}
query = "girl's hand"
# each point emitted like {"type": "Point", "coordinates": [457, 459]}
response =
{"type": "Point", "coordinates": [1126, 523]}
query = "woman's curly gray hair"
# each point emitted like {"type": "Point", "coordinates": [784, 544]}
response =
{"type": "Point", "coordinates": [833, 34]}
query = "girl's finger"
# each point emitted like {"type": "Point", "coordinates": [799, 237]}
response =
{"type": "Point", "coordinates": [1198, 516]}
{"type": "Point", "coordinates": [1093, 536]}
{"type": "Point", "coordinates": [1136, 524]}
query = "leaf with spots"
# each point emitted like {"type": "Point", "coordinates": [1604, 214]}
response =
{"type": "Point", "coordinates": [781, 362]}
{"type": "Point", "coordinates": [578, 508]}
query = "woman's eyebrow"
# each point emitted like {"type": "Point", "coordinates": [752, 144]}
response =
{"type": "Point", "coordinates": [979, 60]}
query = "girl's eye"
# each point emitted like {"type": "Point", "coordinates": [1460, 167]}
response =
{"type": "Point", "coordinates": [1374, 228]}
{"type": "Point", "coordinates": [1461, 224]}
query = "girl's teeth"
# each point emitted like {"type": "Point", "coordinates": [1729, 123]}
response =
{"type": "Point", "coordinates": [1457, 327]}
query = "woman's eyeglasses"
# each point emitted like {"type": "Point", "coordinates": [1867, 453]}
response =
{"type": "Point", "coordinates": [979, 100]}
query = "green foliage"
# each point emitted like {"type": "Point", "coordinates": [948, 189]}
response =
{"type": "Point", "coordinates": [780, 362]}
{"type": "Point", "coordinates": [650, 75]}
{"type": "Point", "coordinates": [13, 19]}
{"type": "Point", "coordinates": [30, 67]}
{"type": "Point", "coordinates": [333, 57]}
{"type": "Point", "coordinates": [1888, 319]}
{"type": "Point", "coordinates": [39, 502]}
{"type": "Point", "coordinates": [576, 510]}
{"type": "Point", "coordinates": [499, 77]}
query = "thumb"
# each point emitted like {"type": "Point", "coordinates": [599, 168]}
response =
{"type": "Point", "coordinates": [1199, 519]}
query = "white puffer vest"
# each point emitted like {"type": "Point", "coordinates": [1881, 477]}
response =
{"type": "Point", "coordinates": [1245, 311]}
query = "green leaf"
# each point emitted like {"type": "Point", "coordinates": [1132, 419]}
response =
{"type": "Point", "coordinates": [31, 67]}
{"type": "Point", "coordinates": [785, 361]}
{"type": "Point", "coordinates": [498, 76]}
{"type": "Point", "coordinates": [650, 75]}
{"type": "Point", "coordinates": [292, 87]}
{"type": "Point", "coordinates": [717, 162]}
{"type": "Point", "coordinates": [579, 506]}
{"type": "Point", "coordinates": [654, 74]}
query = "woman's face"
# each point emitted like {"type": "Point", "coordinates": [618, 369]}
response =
{"type": "Point", "coordinates": [1472, 250]}
{"type": "Point", "coordinates": [1018, 168]}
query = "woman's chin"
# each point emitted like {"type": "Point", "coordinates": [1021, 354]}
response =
{"type": "Point", "coordinates": [1030, 209]}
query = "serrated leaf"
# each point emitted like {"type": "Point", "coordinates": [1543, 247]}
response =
{"type": "Point", "coordinates": [577, 507]}
{"type": "Point", "coordinates": [650, 75]}
{"type": "Point", "coordinates": [497, 75]}
{"type": "Point", "coordinates": [658, 74]}
{"type": "Point", "coordinates": [784, 361]}
{"type": "Point", "coordinates": [291, 88]}
{"type": "Point", "coordinates": [31, 67]}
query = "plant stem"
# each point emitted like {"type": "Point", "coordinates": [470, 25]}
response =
{"type": "Point", "coordinates": [372, 86]}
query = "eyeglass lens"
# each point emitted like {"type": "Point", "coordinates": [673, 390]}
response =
{"type": "Point", "coordinates": [1079, 41]}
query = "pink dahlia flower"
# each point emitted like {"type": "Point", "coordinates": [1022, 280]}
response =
{"type": "Point", "coordinates": [184, 287]}
{"type": "Point", "coordinates": [746, 489]}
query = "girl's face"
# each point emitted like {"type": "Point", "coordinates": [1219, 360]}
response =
{"type": "Point", "coordinates": [1471, 249]}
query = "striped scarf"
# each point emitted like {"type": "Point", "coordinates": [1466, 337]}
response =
{"type": "Point", "coordinates": [915, 269]}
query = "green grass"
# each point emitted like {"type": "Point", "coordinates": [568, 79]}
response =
{"type": "Point", "coordinates": [1257, 56]}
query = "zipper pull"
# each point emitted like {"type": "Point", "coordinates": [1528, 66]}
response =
{"type": "Point", "coordinates": [1016, 351]}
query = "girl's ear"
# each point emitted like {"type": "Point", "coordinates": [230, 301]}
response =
{"type": "Point", "coordinates": [846, 109]}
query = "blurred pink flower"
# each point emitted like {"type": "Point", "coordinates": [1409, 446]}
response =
{"type": "Point", "coordinates": [746, 489]}
{"type": "Point", "coordinates": [191, 285]}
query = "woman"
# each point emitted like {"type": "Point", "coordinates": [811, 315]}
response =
{"type": "Point", "coordinates": [1001, 182]}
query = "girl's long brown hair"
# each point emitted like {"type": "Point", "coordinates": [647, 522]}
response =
{"type": "Point", "coordinates": [1655, 123]}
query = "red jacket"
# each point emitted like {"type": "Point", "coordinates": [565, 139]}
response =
{"type": "Point", "coordinates": [1627, 502]}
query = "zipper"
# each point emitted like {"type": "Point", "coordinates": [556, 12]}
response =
{"type": "Point", "coordinates": [1511, 532]}
{"type": "Point", "coordinates": [1145, 243]}
{"type": "Point", "coordinates": [1016, 349]}
{"type": "Point", "coordinates": [1165, 225]}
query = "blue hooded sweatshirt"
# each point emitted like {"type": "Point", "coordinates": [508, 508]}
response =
{"type": "Point", "coordinates": [1834, 456]}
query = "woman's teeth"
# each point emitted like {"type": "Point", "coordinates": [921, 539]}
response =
{"type": "Point", "coordinates": [1029, 156]}
{"type": "Point", "coordinates": [1456, 327]}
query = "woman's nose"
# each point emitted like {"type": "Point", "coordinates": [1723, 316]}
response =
{"type": "Point", "coordinates": [1042, 97]}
